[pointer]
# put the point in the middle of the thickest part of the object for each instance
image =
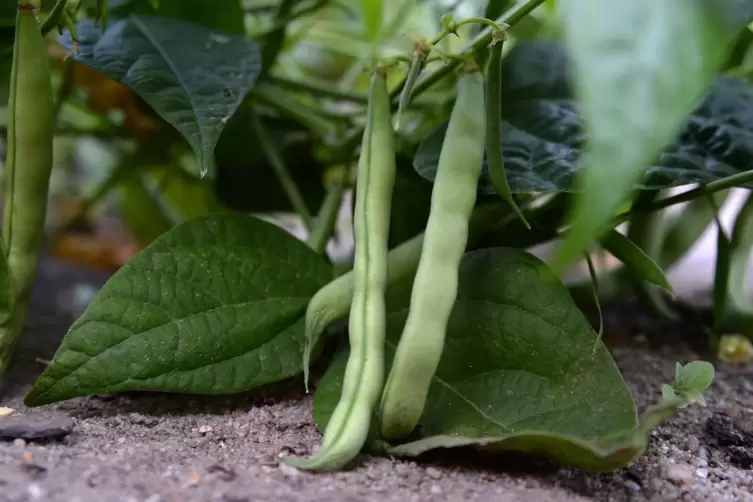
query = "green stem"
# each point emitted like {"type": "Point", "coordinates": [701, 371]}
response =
{"type": "Point", "coordinates": [66, 86]}
{"type": "Point", "coordinates": [712, 187]}
{"type": "Point", "coordinates": [510, 18]}
{"type": "Point", "coordinates": [282, 22]}
{"type": "Point", "coordinates": [293, 108]}
{"type": "Point", "coordinates": [275, 38]}
{"type": "Point", "coordinates": [324, 225]}
{"type": "Point", "coordinates": [53, 19]}
{"type": "Point", "coordinates": [317, 89]}
{"type": "Point", "coordinates": [99, 193]}
{"type": "Point", "coordinates": [282, 172]}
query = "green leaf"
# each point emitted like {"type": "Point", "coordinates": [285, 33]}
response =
{"type": "Point", "coordinates": [371, 17]}
{"type": "Point", "coordinates": [634, 258]}
{"type": "Point", "coordinates": [641, 67]}
{"type": "Point", "coordinates": [7, 288]}
{"type": "Point", "coordinates": [522, 368]}
{"type": "Point", "coordinates": [245, 179]}
{"type": "Point", "coordinates": [543, 131]}
{"type": "Point", "coordinates": [193, 77]}
{"type": "Point", "coordinates": [213, 306]}
{"type": "Point", "coordinates": [228, 18]}
{"type": "Point", "coordinates": [142, 208]}
{"type": "Point", "coordinates": [696, 376]}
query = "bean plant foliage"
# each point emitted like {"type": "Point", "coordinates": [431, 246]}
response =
{"type": "Point", "coordinates": [601, 101]}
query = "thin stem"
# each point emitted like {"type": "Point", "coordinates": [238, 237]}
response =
{"type": "Point", "coordinates": [324, 225]}
{"type": "Point", "coordinates": [712, 187]}
{"type": "Point", "coordinates": [293, 108]}
{"type": "Point", "coordinates": [274, 39]}
{"type": "Point", "coordinates": [317, 89]}
{"type": "Point", "coordinates": [510, 18]}
{"type": "Point", "coordinates": [53, 19]}
{"type": "Point", "coordinates": [66, 86]}
{"type": "Point", "coordinates": [282, 22]}
{"type": "Point", "coordinates": [282, 172]}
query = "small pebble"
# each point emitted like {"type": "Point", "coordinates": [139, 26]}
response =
{"type": "Point", "coordinates": [677, 473]}
{"type": "Point", "coordinates": [632, 485]}
{"type": "Point", "coordinates": [204, 429]}
{"type": "Point", "coordinates": [19, 443]}
{"type": "Point", "coordinates": [289, 470]}
{"type": "Point", "coordinates": [433, 473]}
{"type": "Point", "coordinates": [121, 440]}
{"type": "Point", "coordinates": [435, 490]}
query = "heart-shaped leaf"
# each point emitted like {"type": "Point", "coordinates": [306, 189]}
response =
{"type": "Point", "coordinates": [215, 305]}
{"type": "Point", "coordinates": [522, 369]}
{"type": "Point", "coordinates": [193, 77]}
{"type": "Point", "coordinates": [641, 67]}
{"type": "Point", "coordinates": [544, 132]}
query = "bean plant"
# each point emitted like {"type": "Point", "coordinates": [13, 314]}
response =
{"type": "Point", "coordinates": [466, 136]}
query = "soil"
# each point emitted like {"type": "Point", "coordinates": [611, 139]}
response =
{"type": "Point", "coordinates": [150, 447]}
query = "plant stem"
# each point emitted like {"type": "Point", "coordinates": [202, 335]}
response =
{"type": "Point", "coordinates": [275, 38]}
{"type": "Point", "coordinates": [325, 221]}
{"type": "Point", "coordinates": [66, 86]}
{"type": "Point", "coordinates": [510, 18]}
{"type": "Point", "coordinates": [282, 172]}
{"type": "Point", "coordinates": [484, 37]}
{"type": "Point", "coordinates": [293, 108]}
{"type": "Point", "coordinates": [709, 188]}
{"type": "Point", "coordinates": [53, 18]}
{"type": "Point", "coordinates": [282, 22]}
{"type": "Point", "coordinates": [317, 89]}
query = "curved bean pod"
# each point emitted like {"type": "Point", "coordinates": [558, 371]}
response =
{"type": "Point", "coordinates": [494, 160]}
{"type": "Point", "coordinates": [348, 427]}
{"type": "Point", "coordinates": [435, 286]}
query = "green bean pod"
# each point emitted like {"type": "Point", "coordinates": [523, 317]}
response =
{"type": "Point", "coordinates": [333, 301]}
{"type": "Point", "coordinates": [28, 165]}
{"type": "Point", "coordinates": [435, 286]}
{"type": "Point", "coordinates": [348, 427]}
{"type": "Point", "coordinates": [494, 159]}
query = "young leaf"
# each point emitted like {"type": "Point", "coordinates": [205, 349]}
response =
{"type": "Point", "coordinates": [215, 305]}
{"type": "Point", "coordinates": [634, 258]}
{"type": "Point", "coordinates": [694, 377]}
{"type": "Point", "coordinates": [518, 368]}
{"type": "Point", "coordinates": [193, 77]}
{"type": "Point", "coordinates": [641, 67]}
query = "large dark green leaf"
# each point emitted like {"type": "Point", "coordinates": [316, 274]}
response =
{"type": "Point", "coordinates": [227, 18]}
{"type": "Point", "coordinates": [544, 132]}
{"type": "Point", "coordinates": [215, 305]}
{"type": "Point", "coordinates": [245, 179]}
{"type": "Point", "coordinates": [193, 77]}
{"type": "Point", "coordinates": [522, 367]}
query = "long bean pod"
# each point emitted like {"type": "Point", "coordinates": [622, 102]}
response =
{"type": "Point", "coordinates": [348, 427]}
{"type": "Point", "coordinates": [494, 159]}
{"type": "Point", "coordinates": [436, 283]}
{"type": "Point", "coordinates": [28, 164]}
